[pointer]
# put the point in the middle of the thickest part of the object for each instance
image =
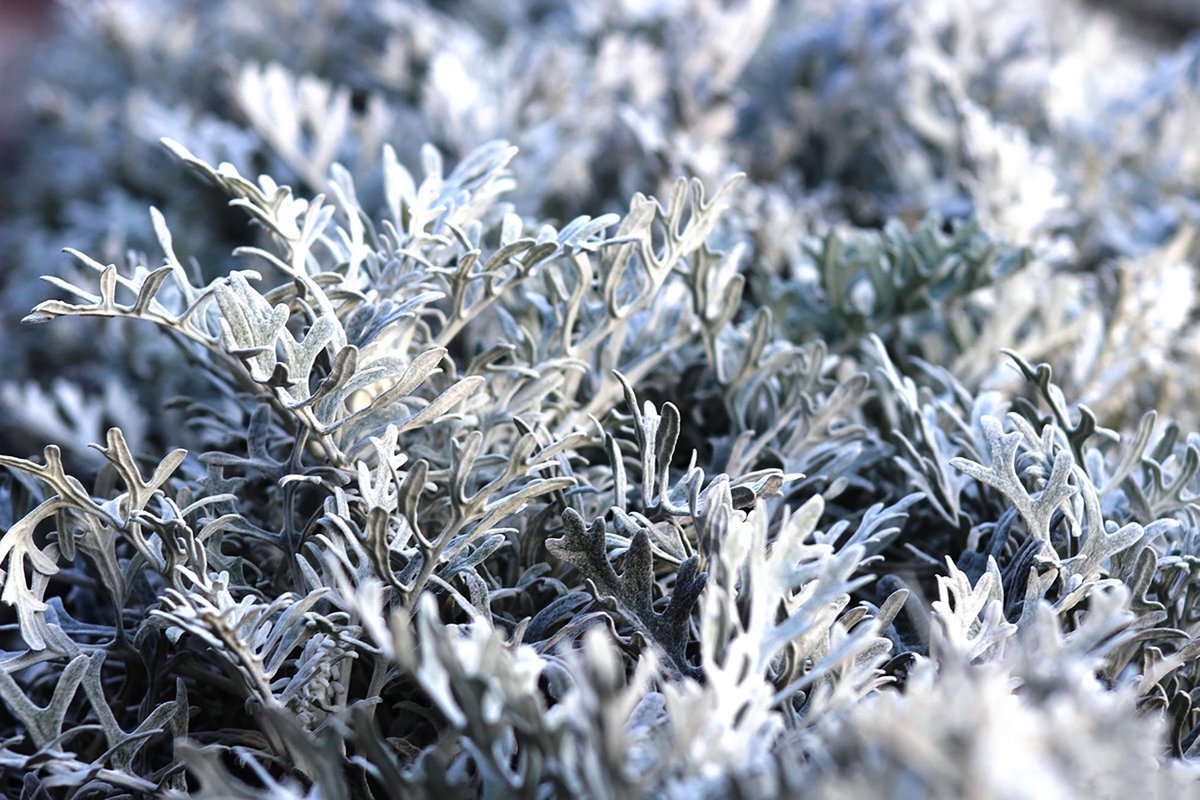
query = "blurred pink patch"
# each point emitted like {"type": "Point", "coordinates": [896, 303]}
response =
{"type": "Point", "coordinates": [22, 24]}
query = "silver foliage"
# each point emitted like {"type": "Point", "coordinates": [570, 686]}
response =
{"type": "Point", "coordinates": [638, 399]}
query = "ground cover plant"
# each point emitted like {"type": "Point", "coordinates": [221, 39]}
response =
{"type": "Point", "coordinates": [636, 399]}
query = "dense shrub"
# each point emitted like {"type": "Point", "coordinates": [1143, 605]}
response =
{"type": "Point", "coordinates": [409, 447]}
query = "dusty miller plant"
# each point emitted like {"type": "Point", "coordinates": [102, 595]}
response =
{"type": "Point", "coordinates": [854, 462]}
